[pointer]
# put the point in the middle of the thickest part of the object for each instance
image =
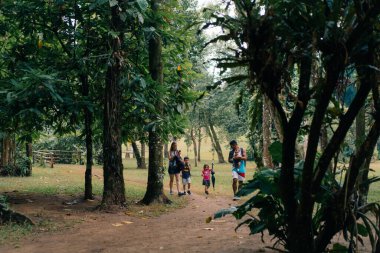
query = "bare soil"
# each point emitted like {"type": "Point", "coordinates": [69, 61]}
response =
{"type": "Point", "coordinates": [78, 228]}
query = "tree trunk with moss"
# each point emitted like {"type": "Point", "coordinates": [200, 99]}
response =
{"type": "Point", "coordinates": [88, 139]}
{"type": "Point", "coordinates": [267, 158]}
{"type": "Point", "coordinates": [114, 189]}
{"type": "Point", "coordinates": [199, 143]}
{"type": "Point", "coordinates": [143, 162]}
{"type": "Point", "coordinates": [137, 154]}
{"type": "Point", "coordinates": [360, 138]}
{"type": "Point", "coordinates": [216, 143]}
{"type": "Point", "coordinates": [29, 155]}
{"type": "Point", "coordinates": [193, 139]}
{"type": "Point", "coordinates": [155, 188]}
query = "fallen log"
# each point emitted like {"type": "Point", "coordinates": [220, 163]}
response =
{"type": "Point", "coordinates": [9, 216]}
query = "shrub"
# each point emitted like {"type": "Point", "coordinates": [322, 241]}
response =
{"type": "Point", "coordinates": [271, 213]}
{"type": "Point", "coordinates": [22, 168]}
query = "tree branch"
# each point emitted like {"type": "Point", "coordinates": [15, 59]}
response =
{"type": "Point", "coordinates": [334, 69]}
{"type": "Point", "coordinates": [339, 135]}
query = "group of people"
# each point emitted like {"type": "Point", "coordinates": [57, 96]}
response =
{"type": "Point", "coordinates": [181, 167]}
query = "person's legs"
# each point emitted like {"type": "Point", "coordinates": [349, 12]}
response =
{"type": "Point", "coordinates": [241, 179]}
{"type": "Point", "coordinates": [171, 183]}
{"type": "Point", "coordinates": [234, 185]}
{"type": "Point", "coordinates": [177, 181]}
{"type": "Point", "coordinates": [235, 177]}
{"type": "Point", "coordinates": [188, 185]}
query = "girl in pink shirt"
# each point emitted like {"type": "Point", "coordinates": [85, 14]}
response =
{"type": "Point", "coordinates": [206, 174]}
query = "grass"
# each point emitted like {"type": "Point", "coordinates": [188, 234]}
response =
{"type": "Point", "coordinates": [13, 233]}
{"type": "Point", "coordinates": [69, 180]}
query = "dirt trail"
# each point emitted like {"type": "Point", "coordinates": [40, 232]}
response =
{"type": "Point", "coordinates": [183, 230]}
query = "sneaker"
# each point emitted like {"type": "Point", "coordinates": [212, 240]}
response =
{"type": "Point", "coordinates": [189, 192]}
{"type": "Point", "coordinates": [206, 192]}
{"type": "Point", "coordinates": [184, 193]}
{"type": "Point", "coordinates": [181, 194]}
{"type": "Point", "coordinates": [236, 198]}
{"type": "Point", "coordinates": [171, 193]}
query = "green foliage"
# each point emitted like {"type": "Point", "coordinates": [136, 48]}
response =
{"type": "Point", "coordinates": [65, 143]}
{"type": "Point", "coordinates": [290, 51]}
{"type": "Point", "coordinates": [22, 168]}
{"type": "Point", "coordinates": [270, 213]}
{"type": "Point", "coordinates": [4, 202]}
{"type": "Point", "coordinates": [141, 93]}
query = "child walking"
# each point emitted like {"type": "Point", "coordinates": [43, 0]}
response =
{"type": "Point", "coordinates": [186, 176]}
{"type": "Point", "coordinates": [206, 172]}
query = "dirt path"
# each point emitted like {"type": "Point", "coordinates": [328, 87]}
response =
{"type": "Point", "coordinates": [183, 230]}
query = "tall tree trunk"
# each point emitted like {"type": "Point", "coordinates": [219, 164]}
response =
{"type": "Point", "coordinates": [114, 189]}
{"type": "Point", "coordinates": [360, 123]}
{"type": "Point", "coordinates": [6, 152]}
{"type": "Point", "coordinates": [199, 143]}
{"type": "Point", "coordinates": [136, 151]}
{"type": "Point", "coordinates": [195, 147]}
{"type": "Point", "coordinates": [29, 154]}
{"type": "Point", "coordinates": [215, 140]}
{"type": "Point", "coordinates": [143, 163]}
{"type": "Point", "coordinates": [88, 133]}
{"type": "Point", "coordinates": [277, 121]}
{"type": "Point", "coordinates": [166, 149]}
{"type": "Point", "coordinates": [267, 158]}
{"type": "Point", "coordinates": [208, 132]}
{"type": "Point", "coordinates": [324, 138]}
{"type": "Point", "coordinates": [13, 151]}
{"type": "Point", "coordinates": [155, 187]}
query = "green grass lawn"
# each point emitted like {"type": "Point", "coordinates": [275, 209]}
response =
{"type": "Point", "coordinates": [69, 180]}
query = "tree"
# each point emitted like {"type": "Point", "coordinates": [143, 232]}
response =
{"type": "Point", "coordinates": [167, 100]}
{"type": "Point", "coordinates": [70, 38]}
{"type": "Point", "coordinates": [215, 141]}
{"type": "Point", "coordinates": [139, 156]}
{"type": "Point", "coordinates": [272, 45]}
{"type": "Point", "coordinates": [267, 137]}
{"type": "Point", "coordinates": [194, 141]}
{"type": "Point", "coordinates": [155, 191]}
{"type": "Point", "coordinates": [114, 189]}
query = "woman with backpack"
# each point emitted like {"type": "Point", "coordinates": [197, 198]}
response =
{"type": "Point", "coordinates": [175, 163]}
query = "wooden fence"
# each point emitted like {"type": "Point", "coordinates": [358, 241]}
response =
{"type": "Point", "coordinates": [52, 157]}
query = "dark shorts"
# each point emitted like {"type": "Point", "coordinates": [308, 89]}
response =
{"type": "Point", "coordinates": [174, 170]}
{"type": "Point", "coordinates": [206, 182]}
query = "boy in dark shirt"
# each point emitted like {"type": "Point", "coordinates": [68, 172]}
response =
{"type": "Point", "coordinates": [186, 176]}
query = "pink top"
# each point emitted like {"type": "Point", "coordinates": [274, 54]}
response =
{"type": "Point", "coordinates": [206, 174]}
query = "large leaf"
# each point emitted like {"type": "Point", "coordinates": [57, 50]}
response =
{"type": "Point", "coordinates": [143, 4]}
{"type": "Point", "coordinates": [223, 212]}
{"type": "Point", "coordinates": [337, 247]}
{"type": "Point", "coordinates": [362, 230]}
{"type": "Point", "coordinates": [113, 3]}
